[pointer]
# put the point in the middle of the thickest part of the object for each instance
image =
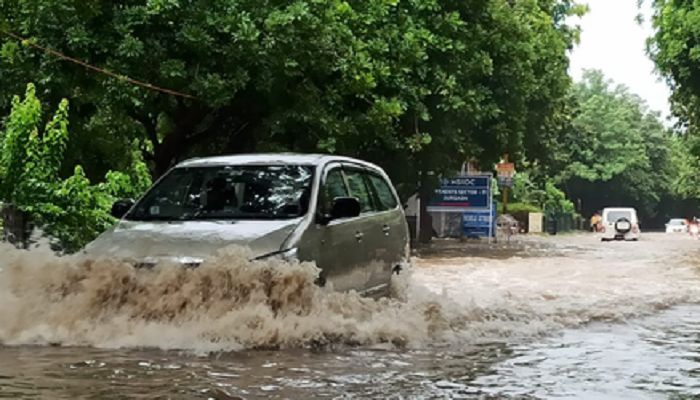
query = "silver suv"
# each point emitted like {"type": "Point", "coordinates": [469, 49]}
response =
{"type": "Point", "coordinates": [340, 212]}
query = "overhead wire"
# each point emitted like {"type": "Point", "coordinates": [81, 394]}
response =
{"type": "Point", "coordinates": [55, 53]}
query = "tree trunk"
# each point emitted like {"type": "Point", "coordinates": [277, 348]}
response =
{"type": "Point", "coordinates": [176, 144]}
{"type": "Point", "coordinates": [163, 158]}
{"type": "Point", "coordinates": [236, 122]}
{"type": "Point", "coordinates": [15, 226]}
{"type": "Point", "coordinates": [426, 220]}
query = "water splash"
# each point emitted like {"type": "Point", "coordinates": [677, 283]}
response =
{"type": "Point", "coordinates": [229, 303]}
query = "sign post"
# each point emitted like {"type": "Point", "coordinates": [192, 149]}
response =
{"type": "Point", "coordinates": [505, 172]}
{"type": "Point", "coordinates": [469, 195]}
{"type": "Point", "coordinates": [492, 213]}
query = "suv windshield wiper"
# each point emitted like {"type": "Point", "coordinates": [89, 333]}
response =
{"type": "Point", "coordinates": [204, 217]}
{"type": "Point", "coordinates": [146, 218]}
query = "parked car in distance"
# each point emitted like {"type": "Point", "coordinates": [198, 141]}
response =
{"type": "Point", "coordinates": [620, 223]}
{"type": "Point", "coordinates": [340, 212]}
{"type": "Point", "coordinates": [677, 225]}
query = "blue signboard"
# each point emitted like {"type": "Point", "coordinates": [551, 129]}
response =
{"type": "Point", "coordinates": [463, 193]}
{"type": "Point", "coordinates": [479, 223]}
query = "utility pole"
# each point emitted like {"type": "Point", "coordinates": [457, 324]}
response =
{"type": "Point", "coordinates": [505, 190]}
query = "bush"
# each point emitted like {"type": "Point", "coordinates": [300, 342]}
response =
{"type": "Point", "coordinates": [519, 208]}
{"type": "Point", "coordinates": [556, 202]}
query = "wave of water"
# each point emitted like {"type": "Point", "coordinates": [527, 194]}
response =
{"type": "Point", "coordinates": [229, 303]}
{"type": "Point", "coordinates": [590, 282]}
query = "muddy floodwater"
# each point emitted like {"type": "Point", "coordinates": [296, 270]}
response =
{"type": "Point", "coordinates": [550, 317]}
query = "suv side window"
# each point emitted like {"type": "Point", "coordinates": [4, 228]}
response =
{"type": "Point", "coordinates": [386, 198]}
{"type": "Point", "coordinates": [334, 186]}
{"type": "Point", "coordinates": [359, 189]}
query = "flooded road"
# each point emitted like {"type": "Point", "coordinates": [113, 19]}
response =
{"type": "Point", "coordinates": [564, 317]}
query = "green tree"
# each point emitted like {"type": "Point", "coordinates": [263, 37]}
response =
{"type": "Point", "coordinates": [675, 49]}
{"type": "Point", "coordinates": [412, 84]}
{"type": "Point", "coordinates": [685, 181]}
{"type": "Point", "coordinates": [616, 152]}
{"type": "Point", "coordinates": [71, 210]}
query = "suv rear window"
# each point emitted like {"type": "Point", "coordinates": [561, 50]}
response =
{"type": "Point", "coordinates": [386, 198]}
{"type": "Point", "coordinates": [614, 216]}
{"type": "Point", "coordinates": [359, 189]}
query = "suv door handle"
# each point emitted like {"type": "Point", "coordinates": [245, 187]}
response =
{"type": "Point", "coordinates": [386, 229]}
{"type": "Point", "coordinates": [359, 235]}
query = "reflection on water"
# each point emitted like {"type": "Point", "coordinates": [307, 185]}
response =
{"type": "Point", "coordinates": [559, 318]}
{"type": "Point", "coordinates": [654, 357]}
{"type": "Point", "coordinates": [289, 374]}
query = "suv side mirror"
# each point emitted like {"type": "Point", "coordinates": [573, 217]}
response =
{"type": "Point", "coordinates": [121, 207]}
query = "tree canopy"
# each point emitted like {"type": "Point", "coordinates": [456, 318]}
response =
{"type": "Point", "coordinates": [617, 152]}
{"type": "Point", "coordinates": [675, 49]}
{"type": "Point", "coordinates": [411, 84]}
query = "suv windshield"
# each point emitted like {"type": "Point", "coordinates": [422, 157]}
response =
{"type": "Point", "coordinates": [228, 192]}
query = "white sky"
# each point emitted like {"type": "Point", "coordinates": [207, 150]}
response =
{"type": "Point", "coordinates": [612, 41]}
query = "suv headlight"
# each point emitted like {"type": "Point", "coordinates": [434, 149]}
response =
{"type": "Point", "coordinates": [290, 255]}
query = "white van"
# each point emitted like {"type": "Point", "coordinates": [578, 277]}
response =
{"type": "Point", "coordinates": [620, 223]}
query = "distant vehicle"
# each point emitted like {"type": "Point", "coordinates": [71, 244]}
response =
{"type": "Point", "coordinates": [340, 212]}
{"type": "Point", "coordinates": [620, 223]}
{"type": "Point", "coordinates": [676, 225]}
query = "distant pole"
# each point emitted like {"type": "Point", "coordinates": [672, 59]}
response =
{"type": "Point", "coordinates": [426, 220]}
{"type": "Point", "coordinates": [418, 219]}
{"type": "Point", "coordinates": [491, 213]}
{"type": "Point", "coordinates": [505, 190]}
